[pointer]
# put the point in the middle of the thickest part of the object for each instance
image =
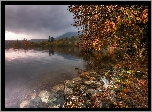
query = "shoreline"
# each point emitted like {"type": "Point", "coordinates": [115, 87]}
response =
{"type": "Point", "coordinates": [88, 90]}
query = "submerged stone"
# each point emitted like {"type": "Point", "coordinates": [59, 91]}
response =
{"type": "Point", "coordinates": [56, 106]}
{"type": "Point", "coordinates": [84, 75]}
{"type": "Point", "coordinates": [68, 90]}
{"type": "Point", "coordinates": [37, 103]}
{"type": "Point", "coordinates": [44, 95]}
{"type": "Point", "coordinates": [76, 79]}
{"type": "Point", "coordinates": [89, 82]}
{"type": "Point", "coordinates": [92, 91]}
{"type": "Point", "coordinates": [24, 103]}
{"type": "Point", "coordinates": [70, 83]}
{"type": "Point", "coordinates": [58, 87]}
{"type": "Point", "coordinates": [33, 95]}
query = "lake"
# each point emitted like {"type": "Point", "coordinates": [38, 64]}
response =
{"type": "Point", "coordinates": [37, 69]}
{"type": "Point", "coordinates": [121, 77]}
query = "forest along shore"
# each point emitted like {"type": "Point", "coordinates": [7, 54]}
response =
{"type": "Point", "coordinates": [92, 90]}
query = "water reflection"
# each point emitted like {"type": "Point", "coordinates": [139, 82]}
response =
{"type": "Point", "coordinates": [33, 69]}
{"type": "Point", "coordinates": [122, 80]}
{"type": "Point", "coordinates": [51, 51]}
{"type": "Point", "coordinates": [65, 53]}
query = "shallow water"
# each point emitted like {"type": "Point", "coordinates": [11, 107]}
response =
{"type": "Point", "coordinates": [36, 69]}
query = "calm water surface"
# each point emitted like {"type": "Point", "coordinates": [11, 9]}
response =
{"type": "Point", "coordinates": [36, 69]}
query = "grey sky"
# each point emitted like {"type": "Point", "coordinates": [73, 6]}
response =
{"type": "Point", "coordinates": [38, 21]}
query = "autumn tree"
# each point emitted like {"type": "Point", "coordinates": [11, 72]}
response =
{"type": "Point", "coordinates": [111, 25]}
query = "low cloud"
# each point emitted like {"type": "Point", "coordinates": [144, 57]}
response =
{"type": "Point", "coordinates": [38, 21]}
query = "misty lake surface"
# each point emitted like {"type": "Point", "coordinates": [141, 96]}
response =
{"type": "Point", "coordinates": [36, 70]}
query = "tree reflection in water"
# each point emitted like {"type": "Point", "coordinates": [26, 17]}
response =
{"type": "Point", "coordinates": [51, 51]}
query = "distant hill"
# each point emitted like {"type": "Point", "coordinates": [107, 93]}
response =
{"type": "Point", "coordinates": [68, 34]}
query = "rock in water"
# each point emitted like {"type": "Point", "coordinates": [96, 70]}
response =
{"type": "Point", "coordinates": [56, 106]}
{"type": "Point", "coordinates": [37, 103]}
{"type": "Point", "coordinates": [44, 95]}
{"type": "Point", "coordinates": [77, 79]}
{"type": "Point", "coordinates": [84, 75]}
{"type": "Point", "coordinates": [33, 95]}
{"type": "Point", "coordinates": [68, 90]}
{"type": "Point", "coordinates": [89, 82]}
{"type": "Point", "coordinates": [58, 87]}
{"type": "Point", "coordinates": [92, 91]}
{"type": "Point", "coordinates": [24, 103]}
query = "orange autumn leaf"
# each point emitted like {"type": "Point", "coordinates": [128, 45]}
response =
{"type": "Point", "coordinates": [126, 90]}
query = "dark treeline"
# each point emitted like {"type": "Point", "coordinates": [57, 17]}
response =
{"type": "Point", "coordinates": [44, 44]}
